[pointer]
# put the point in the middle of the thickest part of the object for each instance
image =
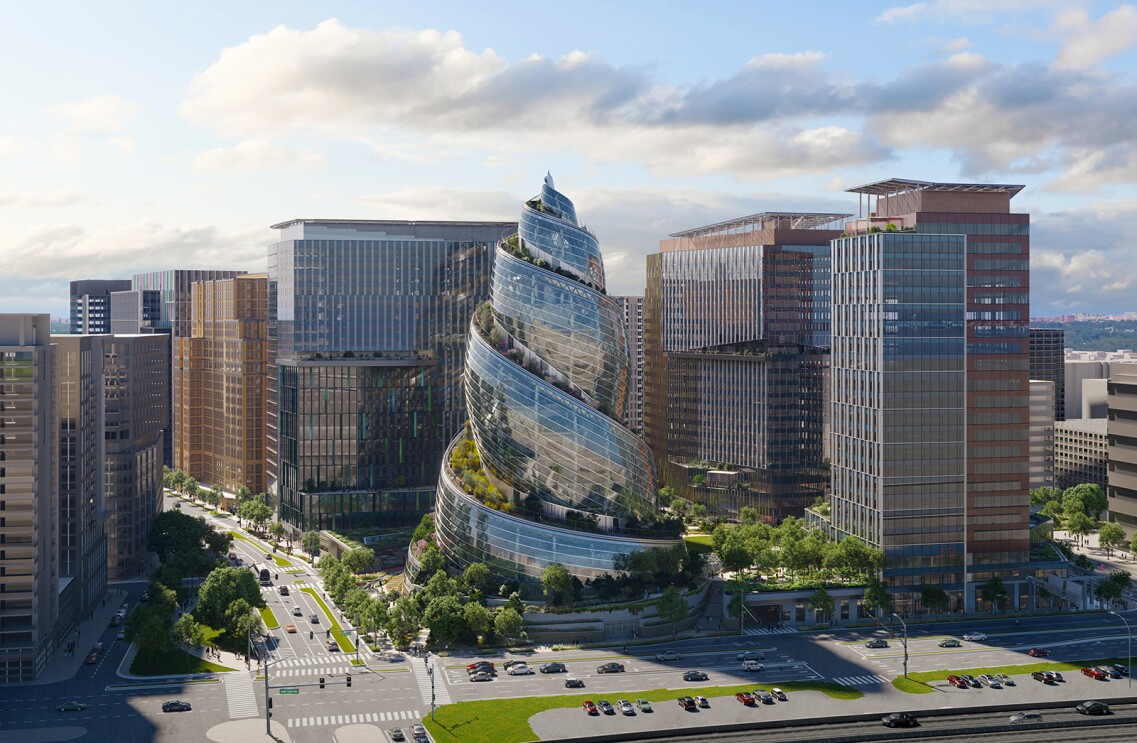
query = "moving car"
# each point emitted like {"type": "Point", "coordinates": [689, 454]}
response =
{"type": "Point", "coordinates": [751, 655]}
{"type": "Point", "coordinates": [1038, 653]}
{"type": "Point", "coordinates": [290, 628]}
{"type": "Point", "coordinates": [314, 619]}
{"type": "Point", "coordinates": [555, 667]}
{"type": "Point", "coordinates": [145, 597]}
{"type": "Point", "coordinates": [745, 697]}
{"type": "Point", "coordinates": [763, 696]}
{"type": "Point", "coordinates": [1093, 708]}
{"type": "Point", "coordinates": [1110, 671]}
{"type": "Point", "coordinates": [752, 665]}
{"type": "Point", "coordinates": [991, 682]}
{"type": "Point", "coordinates": [284, 591]}
{"type": "Point", "coordinates": [175, 706]}
{"type": "Point", "coordinates": [574, 683]}
{"type": "Point", "coordinates": [975, 637]}
{"type": "Point", "coordinates": [519, 669]}
{"type": "Point", "coordinates": [72, 707]}
{"type": "Point", "coordinates": [92, 657]}
{"type": "Point", "coordinates": [694, 676]}
{"type": "Point", "coordinates": [958, 681]}
{"type": "Point", "coordinates": [590, 707]}
{"type": "Point", "coordinates": [878, 642]}
{"type": "Point", "coordinates": [121, 635]}
{"type": "Point", "coordinates": [702, 701]}
{"type": "Point", "coordinates": [688, 702]}
{"type": "Point", "coordinates": [1007, 680]}
{"type": "Point", "coordinates": [480, 676]}
{"type": "Point", "coordinates": [644, 705]}
{"type": "Point", "coordinates": [605, 707]}
{"type": "Point", "coordinates": [779, 694]}
{"type": "Point", "coordinates": [1041, 676]}
{"type": "Point", "coordinates": [610, 668]}
{"type": "Point", "coordinates": [1020, 718]}
{"type": "Point", "coordinates": [899, 720]}
{"type": "Point", "coordinates": [511, 663]}
{"type": "Point", "coordinates": [333, 646]}
{"type": "Point", "coordinates": [296, 612]}
{"type": "Point", "coordinates": [396, 735]}
{"type": "Point", "coordinates": [950, 642]}
{"type": "Point", "coordinates": [1094, 673]}
{"type": "Point", "coordinates": [625, 707]}
{"type": "Point", "coordinates": [667, 655]}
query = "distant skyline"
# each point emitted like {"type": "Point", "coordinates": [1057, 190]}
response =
{"type": "Point", "coordinates": [142, 136]}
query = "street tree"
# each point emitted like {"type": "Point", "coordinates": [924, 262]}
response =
{"type": "Point", "coordinates": [310, 543]}
{"type": "Point", "coordinates": [403, 620]}
{"type": "Point", "coordinates": [243, 495]}
{"type": "Point", "coordinates": [276, 530]}
{"type": "Point", "coordinates": [242, 620]}
{"type": "Point", "coordinates": [993, 592]}
{"type": "Point", "coordinates": [508, 623]}
{"type": "Point", "coordinates": [1111, 536]}
{"type": "Point", "coordinates": [557, 583]}
{"type": "Point", "coordinates": [188, 632]}
{"type": "Point", "coordinates": [934, 599]}
{"type": "Point", "coordinates": [360, 560]}
{"type": "Point", "coordinates": [1079, 524]}
{"type": "Point", "coordinates": [445, 618]}
{"type": "Point", "coordinates": [821, 602]}
{"type": "Point", "coordinates": [877, 598]}
{"type": "Point", "coordinates": [223, 587]}
{"type": "Point", "coordinates": [1133, 545]}
{"type": "Point", "coordinates": [191, 488]}
{"type": "Point", "coordinates": [477, 618]}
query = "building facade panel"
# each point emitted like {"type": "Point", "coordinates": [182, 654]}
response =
{"type": "Point", "coordinates": [91, 304]}
{"type": "Point", "coordinates": [1081, 452]}
{"type": "Point", "coordinates": [1122, 444]}
{"type": "Point", "coordinates": [1048, 363]}
{"type": "Point", "coordinates": [1041, 433]}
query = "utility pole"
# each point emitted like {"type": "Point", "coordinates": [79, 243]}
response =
{"type": "Point", "coordinates": [905, 625]}
{"type": "Point", "coordinates": [430, 672]}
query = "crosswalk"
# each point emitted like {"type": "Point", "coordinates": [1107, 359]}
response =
{"type": "Point", "coordinates": [870, 679]}
{"type": "Point", "coordinates": [768, 631]}
{"type": "Point", "coordinates": [240, 695]}
{"type": "Point", "coordinates": [296, 662]}
{"type": "Point", "coordinates": [304, 722]}
{"type": "Point", "coordinates": [294, 667]}
{"type": "Point", "coordinates": [442, 693]}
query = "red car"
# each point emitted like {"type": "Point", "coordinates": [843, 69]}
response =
{"type": "Point", "coordinates": [745, 697]}
{"type": "Point", "coordinates": [590, 708]}
{"type": "Point", "coordinates": [92, 658]}
{"type": "Point", "coordinates": [1094, 673]}
{"type": "Point", "coordinates": [957, 681]}
{"type": "Point", "coordinates": [1039, 653]}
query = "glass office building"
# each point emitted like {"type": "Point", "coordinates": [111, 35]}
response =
{"type": "Point", "coordinates": [546, 386]}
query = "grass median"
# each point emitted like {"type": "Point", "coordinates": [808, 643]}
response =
{"type": "Point", "coordinates": [341, 640]}
{"type": "Point", "coordinates": [507, 720]}
{"type": "Point", "coordinates": [270, 618]}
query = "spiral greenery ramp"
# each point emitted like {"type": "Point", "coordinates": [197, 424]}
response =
{"type": "Point", "coordinates": [545, 472]}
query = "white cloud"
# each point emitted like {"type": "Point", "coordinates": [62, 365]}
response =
{"type": "Point", "coordinates": [102, 114]}
{"type": "Point", "coordinates": [1086, 43]}
{"type": "Point", "coordinates": [257, 154]}
{"type": "Point", "coordinates": [125, 145]}
{"type": "Point", "coordinates": [975, 12]}
{"type": "Point", "coordinates": [11, 146]}
{"type": "Point", "coordinates": [59, 197]}
{"type": "Point", "coordinates": [445, 203]}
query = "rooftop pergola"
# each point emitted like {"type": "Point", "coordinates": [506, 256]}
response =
{"type": "Point", "coordinates": [797, 221]}
{"type": "Point", "coordinates": [902, 185]}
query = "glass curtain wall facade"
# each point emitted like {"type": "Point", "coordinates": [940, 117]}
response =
{"type": "Point", "coordinates": [91, 304]}
{"type": "Point", "coordinates": [1048, 362]}
{"type": "Point", "coordinates": [367, 342]}
{"type": "Point", "coordinates": [546, 386]}
{"type": "Point", "coordinates": [736, 337]}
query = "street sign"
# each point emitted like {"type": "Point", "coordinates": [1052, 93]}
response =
{"type": "Point", "coordinates": [289, 691]}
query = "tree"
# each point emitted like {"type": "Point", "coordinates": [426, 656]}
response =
{"type": "Point", "coordinates": [1079, 524]}
{"type": "Point", "coordinates": [477, 618]}
{"type": "Point", "coordinates": [1039, 497]}
{"type": "Point", "coordinates": [1133, 544]}
{"type": "Point", "coordinates": [934, 599]}
{"type": "Point", "coordinates": [820, 601]}
{"type": "Point", "coordinates": [216, 495]}
{"type": "Point", "coordinates": [476, 577]}
{"type": "Point", "coordinates": [699, 511]}
{"type": "Point", "coordinates": [747, 515]}
{"type": "Point", "coordinates": [222, 588]}
{"type": "Point", "coordinates": [430, 563]}
{"type": "Point", "coordinates": [1110, 537]}
{"type": "Point", "coordinates": [242, 620]}
{"type": "Point", "coordinates": [188, 632]}
{"type": "Point", "coordinates": [310, 543]}
{"type": "Point", "coordinates": [360, 560]}
{"type": "Point", "coordinates": [1093, 499]}
{"type": "Point", "coordinates": [679, 506]}
{"type": "Point", "coordinates": [1074, 501]}
{"type": "Point", "coordinates": [508, 623]}
{"type": "Point", "coordinates": [372, 615]}
{"type": "Point", "coordinates": [557, 582]}
{"type": "Point", "coordinates": [672, 607]}
{"type": "Point", "coordinates": [993, 591]}
{"type": "Point", "coordinates": [243, 495]}
{"type": "Point", "coordinates": [191, 488]}
{"type": "Point", "coordinates": [1053, 509]}
{"type": "Point", "coordinates": [277, 530]}
{"type": "Point", "coordinates": [1113, 588]}
{"type": "Point", "coordinates": [877, 598]}
{"type": "Point", "coordinates": [403, 619]}
{"type": "Point", "coordinates": [445, 619]}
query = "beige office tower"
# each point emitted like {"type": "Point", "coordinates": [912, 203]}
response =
{"type": "Point", "coordinates": [219, 384]}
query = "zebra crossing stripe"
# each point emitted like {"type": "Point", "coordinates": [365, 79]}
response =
{"type": "Point", "coordinates": [303, 722]}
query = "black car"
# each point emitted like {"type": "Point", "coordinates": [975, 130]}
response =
{"type": "Point", "coordinates": [511, 663]}
{"type": "Point", "coordinates": [610, 668]}
{"type": "Point", "coordinates": [1093, 708]}
{"type": "Point", "coordinates": [482, 668]}
{"type": "Point", "coordinates": [606, 707]}
{"type": "Point", "coordinates": [1041, 676]}
{"type": "Point", "coordinates": [175, 706]}
{"type": "Point", "coordinates": [554, 667]}
{"type": "Point", "coordinates": [899, 720]}
{"type": "Point", "coordinates": [694, 676]}
{"type": "Point", "coordinates": [1123, 670]}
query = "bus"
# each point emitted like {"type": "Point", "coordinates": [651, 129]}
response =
{"type": "Point", "coordinates": [262, 574]}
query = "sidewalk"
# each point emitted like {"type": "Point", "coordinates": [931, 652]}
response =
{"type": "Point", "coordinates": [63, 667]}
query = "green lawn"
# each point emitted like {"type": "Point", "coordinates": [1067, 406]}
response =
{"type": "Point", "coordinates": [507, 720]}
{"type": "Point", "coordinates": [237, 535]}
{"type": "Point", "coordinates": [270, 618]}
{"type": "Point", "coordinates": [911, 686]}
{"type": "Point", "coordinates": [174, 662]}
{"type": "Point", "coordinates": [341, 640]}
{"type": "Point", "coordinates": [699, 543]}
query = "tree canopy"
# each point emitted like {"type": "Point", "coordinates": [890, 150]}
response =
{"type": "Point", "coordinates": [222, 588]}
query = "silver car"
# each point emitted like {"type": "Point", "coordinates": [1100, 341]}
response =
{"type": "Point", "coordinates": [1022, 718]}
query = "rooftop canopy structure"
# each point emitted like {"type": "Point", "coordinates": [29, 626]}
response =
{"type": "Point", "coordinates": [785, 220]}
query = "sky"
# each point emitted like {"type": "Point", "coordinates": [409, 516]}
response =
{"type": "Point", "coordinates": [137, 136]}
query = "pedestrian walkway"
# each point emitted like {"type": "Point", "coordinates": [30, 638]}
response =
{"type": "Point", "coordinates": [768, 631]}
{"type": "Point", "coordinates": [870, 679]}
{"type": "Point", "coordinates": [313, 671]}
{"type": "Point", "coordinates": [303, 722]}
{"type": "Point", "coordinates": [295, 662]}
{"type": "Point", "coordinates": [242, 698]}
{"type": "Point", "coordinates": [442, 694]}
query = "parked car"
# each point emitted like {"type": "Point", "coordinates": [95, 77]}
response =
{"type": "Point", "coordinates": [121, 634]}
{"type": "Point", "coordinates": [1054, 676]}
{"type": "Point", "coordinates": [1007, 680]}
{"type": "Point", "coordinates": [751, 655]}
{"type": "Point", "coordinates": [419, 732]}
{"type": "Point", "coordinates": [763, 696]}
{"type": "Point", "coordinates": [1020, 718]}
{"type": "Point", "coordinates": [625, 707]}
{"type": "Point", "coordinates": [779, 694]}
{"type": "Point", "coordinates": [695, 676]}
{"type": "Point", "coordinates": [482, 665]}
{"type": "Point", "coordinates": [899, 720]}
{"type": "Point", "coordinates": [145, 597]}
{"type": "Point", "coordinates": [519, 669]}
{"type": "Point", "coordinates": [745, 697]}
{"type": "Point", "coordinates": [511, 663]}
{"type": "Point", "coordinates": [605, 707]}
{"type": "Point", "coordinates": [688, 703]}
{"type": "Point", "coordinates": [667, 655]}
{"type": "Point", "coordinates": [971, 680]}
{"type": "Point", "coordinates": [1039, 653]}
{"type": "Point", "coordinates": [957, 681]}
{"type": "Point", "coordinates": [1123, 670]}
{"type": "Point", "coordinates": [396, 735]}
{"type": "Point", "coordinates": [1110, 671]}
{"type": "Point", "coordinates": [480, 676]}
{"type": "Point", "coordinates": [1093, 708]}
{"type": "Point", "coordinates": [975, 637]}
{"type": "Point", "coordinates": [72, 707]}
{"type": "Point", "coordinates": [950, 642]}
{"type": "Point", "coordinates": [574, 683]}
{"type": "Point", "coordinates": [878, 642]}
{"type": "Point", "coordinates": [991, 682]}
{"type": "Point", "coordinates": [702, 701]}
{"type": "Point", "coordinates": [590, 707]}
{"type": "Point", "coordinates": [644, 705]}
{"type": "Point", "coordinates": [610, 668]}
{"type": "Point", "coordinates": [1094, 673]}
{"type": "Point", "coordinates": [175, 706]}
{"type": "Point", "coordinates": [1041, 676]}
{"type": "Point", "coordinates": [554, 667]}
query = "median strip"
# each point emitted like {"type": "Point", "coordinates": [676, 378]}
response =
{"type": "Point", "coordinates": [335, 627]}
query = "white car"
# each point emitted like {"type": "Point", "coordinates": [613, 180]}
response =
{"type": "Point", "coordinates": [975, 637]}
{"type": "Point", "coordinates": [625, 707]}
{"type": "Point", "coordinates": [667, 655]}
{"type": "Point", "coordinates": [519, 669]}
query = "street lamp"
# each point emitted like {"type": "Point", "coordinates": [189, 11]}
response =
{"type": "Point", "coordinates": [905, 625]}
{"type": "Point", "coordinates": [1129, 632]}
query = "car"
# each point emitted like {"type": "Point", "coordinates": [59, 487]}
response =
{"type": "Point", "coordinates": [1094, 673]}
{"type": "Point", "coordinates": [519, 669]}
{"type": "Point", "coordinates": [899, 720]}
{"type": "Point", "coordinates": [644, 705]}
{"type": "Point", "coordinates": [1123, 670]}
{"type": "Point", "coordinates": [480, 664]}
{"type": "Point", "coordinates": [590, 707]}
{"type": "Point", "coordinates": [990, 681]}
{"type": "Point", "coordinates": [1042, 676]}
{"type": "Point", "coordinates": [554, 667]}
{"type": "Point", "coordinates": [1038, 653]}
{"type": "Point", "coordinates": [396, 735]}
{"type": "Point", "coordinates": [958, 681]}
{"type": "Point", "coordinates": [745, 697]}
{"type": "Point", "coordinates": [702, 701]}
{"type": "Point", "coordinates": [268, 555]}
{"type": "Point", "coordinates": [178, 506]}
{"type": "Point", "coordinates": [975, 637]}
{"type": "Point", "coordinates": [695, 676]}
{"type": "Point", "coordinates": [779, 694]}
{"type": "Point", "coordinates": [97, 647]}
{"type": "Point", "coordinates": [625, 707]}
{"type": "Point", "coordinates": [284, 591]}
{"type": "Point", "coordinates": [72, 707]}
{"type": "Point", "coordinates": [175, 706]}
{"type": "Point", "coordinates": [751, 655]}
{"type": "Point", "coordinates": [290, 628]}
{"type": "Point", "coordinates": [763, 696]}
{"type": "Point", "coordinates": [971, 680]}
{"type": "Point", "coordinates": [1093, 708]}
{"type": "Point", "coordinates": [752, 665]}
{"type": "Point", "coordinates": [688, 703]}
{"type": "Point", "coordinates": [482, 667]}
{"type": "Point", "coordinates": [333, 646]}
{"type": "Point", "coordinates": [1054, 676]}
{"type": "Point", "coordinates": [314, 619]}
{"type": "Point", "coordinates": [574, 683]}
{"type": "Point", "coordinates": [667, 655]}
{"type": "Point", "coordinates": [1007, 680]}
{"type": "Point", "coordinates": [1110, 671]}
{"type": "Point", "coordinates": [610, 668]}
{"type": "Point", "coordinates": [121, 634]}
{"type": "Point", "coordinates": [92, 658]}
{"type": "Point", "coordinates": [878, 642]}
{"type": "Point", "coordinates": [480, 676]}
{"type": "Point", "coordinates": [1021, 718]}
{"type": "Point", "coordinates": [511, 663]}
{"type": "Point", "coordinates": [145, 597]}
{"type": "Point", "coordinates": [950, 642]}
{"type": "Point", "coordinates": [605, 707]}
{"type": "Point", "coordinates": [419, 732]}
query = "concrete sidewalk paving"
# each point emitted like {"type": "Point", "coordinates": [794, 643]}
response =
{"type": "Point", "coordinates": [63, 667]}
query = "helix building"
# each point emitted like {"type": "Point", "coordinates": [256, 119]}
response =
{"type": "Point", "coordinates": [546, 472]}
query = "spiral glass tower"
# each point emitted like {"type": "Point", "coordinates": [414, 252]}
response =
{"type": "Point", "coordinates": [545, 472]}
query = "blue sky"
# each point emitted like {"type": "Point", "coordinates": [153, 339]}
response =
{"type": "Point", "coordinates": [137, 136]}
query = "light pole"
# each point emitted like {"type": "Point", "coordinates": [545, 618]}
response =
{"type": "Point", "coordinates": [1128, 632]}
{"type": "Point", "coordinates": [430, 673]}
{"type": "Point", "coordinates": [905, 626]}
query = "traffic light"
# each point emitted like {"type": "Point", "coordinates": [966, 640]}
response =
{"type": "Point", "coordinates": [311, 635]}
{"type": "Point", "coordinates": [270, 702]}
{"type": "Point", "coordinates": [321, 682]}
{"type": "Point", "coordinates": [328, 634]}
{"type": "Point", "coordinates": [349, 681]}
